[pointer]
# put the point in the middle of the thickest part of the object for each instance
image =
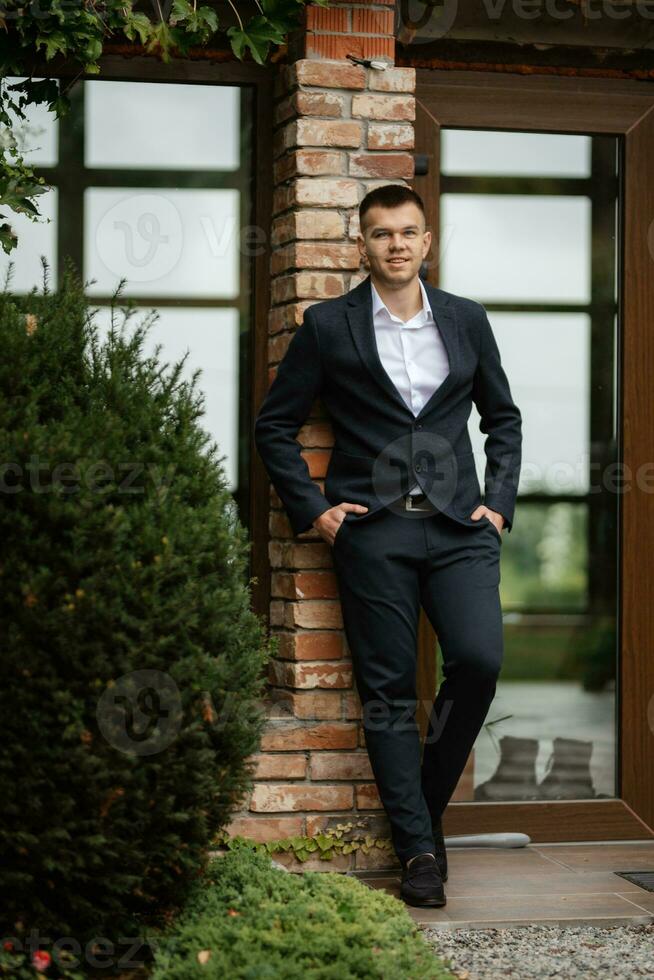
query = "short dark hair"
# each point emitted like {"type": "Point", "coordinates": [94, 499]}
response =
{"type": "Point", "coordinates": [389, 196]}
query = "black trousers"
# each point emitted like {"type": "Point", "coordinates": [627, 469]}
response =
{"type": "Point", "coordinates": [387, 567]}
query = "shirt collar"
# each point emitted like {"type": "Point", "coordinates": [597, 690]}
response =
{"type": "Point", "coordinates": [378, 304]}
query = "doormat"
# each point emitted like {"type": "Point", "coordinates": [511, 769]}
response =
{"type": "Point", "coordinates": [644, 879]}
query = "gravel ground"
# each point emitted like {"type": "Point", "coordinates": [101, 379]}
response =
{"type": "Point", "coordinates": [546, 951]}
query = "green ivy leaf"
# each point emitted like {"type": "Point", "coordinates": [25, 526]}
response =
{"type": "Point", "coordinates": [52, 43]}
{"type": "Point", "coordinates": [180, 10]}
{"type": "Point", "coordinates": [137, 24]}
{"type": "Point", "coordinates": [258, 34]}
{"type": "Point", "coordinates": [15, 193]}
{"type": "Point", "coordinates": [209, 16]}
{"type": "Point", "coordinates": [8, 238]}
{"type": "Point", "coordinates": [93, 49]}
{"type": "Point", "coordinates": [161, 41]}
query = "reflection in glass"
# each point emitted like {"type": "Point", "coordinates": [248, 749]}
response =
{"type": "Point", "coordinates": [543, 263]}
{"type": "Point", "coordinates": [166, 242]}
{"type": "Point", "coordinates": [185, 127]}
{"type": "Point", "coordinates": [212, 339]}
{"type": "Point", "coordinates": [490, 251]}
{"type": "Point", "coordinates": [545, 566]}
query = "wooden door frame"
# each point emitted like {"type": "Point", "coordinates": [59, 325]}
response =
{"type": "Point", "coordinates": [625, 109]}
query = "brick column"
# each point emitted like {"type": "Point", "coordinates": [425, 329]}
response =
{"type": "Point", "coordinates": [341, 129]}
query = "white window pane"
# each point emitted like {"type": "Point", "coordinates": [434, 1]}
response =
{"type": "Point", "coordinates": [35, 238]}
{"type": "Point", "coordinates": [546, 357]}
{"type": "Point", "coordinates": [152, 126]}
{"type": "Point", "coordinates": [165, 242]}
{"type": "Point", "coordinates": [516, 247]}
{"type": "Point", "coordinates": [504, 153]}
{"type": "Point", "coordinates": [212, 337]}
{"type": "Point", "coordinates": [37, 134]}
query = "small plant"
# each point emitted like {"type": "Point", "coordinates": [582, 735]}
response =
{"type": "Point", "coordinates": [324, 845]}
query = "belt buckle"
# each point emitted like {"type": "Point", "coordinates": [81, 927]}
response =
{"type": "Point", "coordinates": [410, 505]}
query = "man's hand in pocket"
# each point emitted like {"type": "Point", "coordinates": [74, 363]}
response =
{"type": "Point", "coordinates": [330, 521]}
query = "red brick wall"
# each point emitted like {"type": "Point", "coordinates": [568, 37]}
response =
{"type": "Point", "coordinates": [340, 129]}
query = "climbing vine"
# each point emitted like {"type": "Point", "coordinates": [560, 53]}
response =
{"type": "Point", "coordinates": [324, 845]}
{"type": "Point", "coordinates": [78, 30]}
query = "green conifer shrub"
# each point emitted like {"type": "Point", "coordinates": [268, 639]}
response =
{"type": "Point", "coordinates": [132, 664]}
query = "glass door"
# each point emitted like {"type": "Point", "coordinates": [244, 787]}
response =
{"type": "Point", "coordinates": [538, 196]}
{"type": "Point", "coordinates": [528, 227]}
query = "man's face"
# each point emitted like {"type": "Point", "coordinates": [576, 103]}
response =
{"type": "Point", "coordinates": [394, 243]}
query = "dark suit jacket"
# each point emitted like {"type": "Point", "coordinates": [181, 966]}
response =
{"type": "Point", "coordinates": [381, 449]}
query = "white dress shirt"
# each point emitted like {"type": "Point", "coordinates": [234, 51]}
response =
{"type": "Point", "coordinates": [412, 352]}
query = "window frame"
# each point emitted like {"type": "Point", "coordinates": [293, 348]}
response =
{"type": "Point", "coordinates": [254, 278]}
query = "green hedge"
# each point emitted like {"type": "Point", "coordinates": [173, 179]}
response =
{"type": "Point", "coordinates": [250, 920]}
{"type": "Point", "coordinates": [132, 662]}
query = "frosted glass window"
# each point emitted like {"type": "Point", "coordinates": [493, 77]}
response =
{"type": "Point", "coordinates": [35, 238]}
{"type": "Point", "coordinates": [501, 153]}
{"type": "Point", "coordinates": [212, 336]}
{"type": "Point", "coordinates": [153, 126]}
{"type": "Point", "coordinates": [546, 357]}
{"type": "Point", "coordinates": [166, 242]}
{"type": "Point", "coordinates": [37, 134]}
{"type": "Point", "coordinates": [516, 247]}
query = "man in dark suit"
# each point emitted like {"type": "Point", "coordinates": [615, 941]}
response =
{"type": "Point", "coordinates": [397, 364]}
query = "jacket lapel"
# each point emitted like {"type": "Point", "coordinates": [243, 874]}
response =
{"type": "Point", "coordinates": [359, 315]}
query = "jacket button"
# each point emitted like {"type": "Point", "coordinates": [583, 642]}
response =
{"type": "Point", "coordinates": [418, 425]}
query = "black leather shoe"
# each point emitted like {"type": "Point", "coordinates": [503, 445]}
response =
{"type": "Point", "coordinates": [422, 885]}
{"type": "Point", "coordinates": [439, 847]}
